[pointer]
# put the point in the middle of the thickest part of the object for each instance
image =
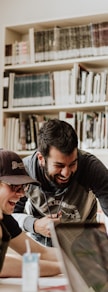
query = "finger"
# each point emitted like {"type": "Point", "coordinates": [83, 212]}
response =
{"type": "Point", "coordinates": [48, 233]}
{"type": "Point", "coordinates": [57, 220]}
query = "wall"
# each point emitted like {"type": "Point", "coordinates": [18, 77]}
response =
{"type": "Point", "coordinates": [16, 11]}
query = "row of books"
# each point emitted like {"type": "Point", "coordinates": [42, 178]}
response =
{"type": "Point", "coordinates": [64, 87]}
{"type": "Point", "coordinates": [27, 89]}
{"type": "Point", "coordinates": [91, 128]}
{"type": "Point", "coordinates": [21, 133]}
{"type": "Point", "coordinates": [17, 53]}
{"type": "Point", "coordinates": [59, 43]}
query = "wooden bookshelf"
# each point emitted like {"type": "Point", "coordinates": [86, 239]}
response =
{"type": "Point", "coordinates": [21, 58]}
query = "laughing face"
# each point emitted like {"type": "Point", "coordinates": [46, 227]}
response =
{"type": "Point", "coordinates": [59, 167]}
{"type": "Point", "coordinates": [8, 197]}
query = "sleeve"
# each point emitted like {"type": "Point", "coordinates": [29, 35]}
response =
{"type": "Point", "coordinates": [11, 225]}
{"type": "Point", "coordinates": [95, 177]}
{"type": "Point", "coordinates": [25, 221]}
{"type": "Point", "coordinates": [20, 205]}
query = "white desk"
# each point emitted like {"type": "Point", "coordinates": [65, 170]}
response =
{"type": "Point", "coordinates": [15, 284]}
{"type": "Point", "coordinates": [10, 288]}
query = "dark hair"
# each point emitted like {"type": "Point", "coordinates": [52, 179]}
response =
{"type": "Point", "coordinates": [59, 134]}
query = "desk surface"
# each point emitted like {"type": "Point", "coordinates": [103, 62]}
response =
{"type": "Point", "coordinates": [15, 284]}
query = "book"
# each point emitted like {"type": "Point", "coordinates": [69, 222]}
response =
{"type": "Point", "coordinates": [106, 127]}
{"type": "Point", "coordinates": [96, 87]}
{"type": "Point", "coordinates": [16, 135]}
{"type": "Point", "coordinates": [5, 89]}
{"type": "Point", "coordinates": [89, 86]}
{"type": "Point", "coordinates": [64, 43]}
{"type": "Point", "coordinates": [106, 88]}
{"type": "Point", "coordinates": [25, 56]}
{"type": "Point", "coordinates": [85, 40]}
{"type": "Point", "coordinates": [74, 42]}
{"type": "Point", "coordinates": [15, 53]}
{"type": "Point", "coordinates": [11, 89]}
{"type": "Point", "coordinates": [78, 127]}
{"type": "Point", "coordinates": [32, 89]}
{"type": "Point", "coordinates": [53, 42]}
{"type": "Point", "coordinates": [62, 87]}
{"type": "Point", "coordinates": [103, 76]}
{"type": "Point", "coordinates": [22, 134]}
{"type": "Point", "coordinates": [102, 130]}
{"type": "Point", "coordinates": [103, 37]}
{"type": "Point", "coordinates": [50, 44]}
{"type": "Point", "coordinates": [28, 134]}
{"type": "Point", "coordinates": [12, 134]}
{"type": "Point", "coordinates": [39, 46]}
{"type": "Point", "coordinates": [33, 132]}
{"type": "Point", "coordinates": [95, 39]}
{"type": "Point", "coordinates": [67, 117]}
{"type": "Point", "coordinates": [8, 54]}
{"type": "Point", "coordinates": [73, 82]}
{"type": "Point", "coordinates": [31, 45]}
{"type": "Point", "coordinates": [81, 84]}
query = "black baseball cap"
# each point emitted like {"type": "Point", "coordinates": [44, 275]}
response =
{"type": "Point", "coordinates": [12, 169]}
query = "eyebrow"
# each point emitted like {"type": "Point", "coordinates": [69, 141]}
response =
{"type": "Point", "coordinates": [59, 163]}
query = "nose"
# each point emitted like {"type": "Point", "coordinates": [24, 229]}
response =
{"type": "Point", "coordinates": [20, 195]}
{"type": "Point", "coordinates": [65, 171]}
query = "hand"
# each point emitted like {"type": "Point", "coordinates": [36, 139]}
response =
{"type": "Point", "coordinates": [42, 225]}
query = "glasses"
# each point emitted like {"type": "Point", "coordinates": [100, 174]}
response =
{"type": "Point", "coordinates": [18, 188]}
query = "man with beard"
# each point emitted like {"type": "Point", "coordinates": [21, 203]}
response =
{"type": "Point", "coordinates": [70, 181]}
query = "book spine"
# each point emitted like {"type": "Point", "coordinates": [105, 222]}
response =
{"type": "Point", "coordinates": [31, 45]}
{"type": "Point", "coordinates": [5, 89]}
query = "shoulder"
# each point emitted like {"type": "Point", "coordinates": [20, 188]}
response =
{"type": "Point", "coordinates": [88, 159]}
{"type": "Point", "coordinates": [30, 158]}
{"type": "Point", "coordinates": [30, 163]}
{"type": "Point", "coordinates": [90, 168]}
{"type": "Point", "coordinates": [11, 225]}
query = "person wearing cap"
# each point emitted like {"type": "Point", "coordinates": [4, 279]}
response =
{"type": "Point", "coordinates": [4, 240]}
{"type": "Point", "coordinates": [71, 181]}
{"type": "Point", "coordinates": [13, 182]}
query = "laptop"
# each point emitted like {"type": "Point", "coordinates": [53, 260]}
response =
{"type": "Point", "coordinates": [83, 251]}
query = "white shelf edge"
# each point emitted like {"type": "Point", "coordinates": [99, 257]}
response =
{"type": "Point", "coordinates": [53, 63]}
{"type": "Point", "coordinates": [56, 108]}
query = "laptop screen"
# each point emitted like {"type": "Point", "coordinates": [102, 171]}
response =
{"type": "Point", "coordinates": [84, 251]}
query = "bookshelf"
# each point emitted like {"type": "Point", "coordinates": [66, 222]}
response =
{"type": "Point", "coordinates": [63, 72]}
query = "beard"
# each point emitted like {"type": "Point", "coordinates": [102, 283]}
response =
{"type": "Point", "coordinates": [53, 178]}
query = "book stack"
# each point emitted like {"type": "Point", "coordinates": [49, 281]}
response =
{"type": "Point", "coordinates": [30, 89]}
{"type": "Point", "coordinates": [59, 43]}
{"type": "Point", "coordinates": [21, 133]}
{"type": "Point", "coordinates": [94, 130]}
{"type": "Point", "coordinates": [63, 87]}
{"type": "Point", "coordinates": [17, 53]}
{"type": "Point", "coordinates": [46, 44]}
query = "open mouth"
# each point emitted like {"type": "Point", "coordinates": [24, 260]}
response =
{"type": "Point", "coordinates": [12, 203]}
{"type": "Point", "coordinates": [62, 179]}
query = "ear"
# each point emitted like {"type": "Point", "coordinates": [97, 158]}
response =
{"type": "Point", "coordinates": [40, 159]}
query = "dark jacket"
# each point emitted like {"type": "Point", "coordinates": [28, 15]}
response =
{"type": "Point", "coordinates": [77, 202]}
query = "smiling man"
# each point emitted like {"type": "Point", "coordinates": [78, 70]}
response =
{"type": "Point", "coordinates": [70, 180]}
